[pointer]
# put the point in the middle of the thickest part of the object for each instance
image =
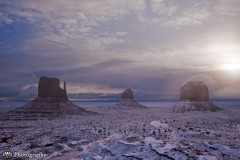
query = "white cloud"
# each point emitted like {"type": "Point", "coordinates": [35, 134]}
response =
{"type": "Point", "coordinates": [190, 16]}
{"type": "Point", "coordinates": [74, 22]}
{"type": "Point", "coordinates": [162, 9]}
{"type": "Point", "coordinates": [158, 34]}
{"type": "Point", "coordinates": [5, 19]}
{"type": "Point", "coordinates": [228, 7]}
{"type": "Point", "coordinates": [91, 88]}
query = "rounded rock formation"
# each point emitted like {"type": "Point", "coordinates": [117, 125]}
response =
{"type": "Point", "coordinates": [194, 91]}
{"type": "Point", "coordinates": [194, 96]}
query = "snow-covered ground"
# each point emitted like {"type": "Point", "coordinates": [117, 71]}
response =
{"type": "Point", "coordinates": [151, 134]}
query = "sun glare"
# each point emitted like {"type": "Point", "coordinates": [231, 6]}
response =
{"type": "Point", "coordinates": [227, 53]}
{"type": "Point", "coordinates": [232, 66]}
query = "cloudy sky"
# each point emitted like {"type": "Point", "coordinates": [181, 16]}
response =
{"type": "Point", "coordinates": [103, 47]}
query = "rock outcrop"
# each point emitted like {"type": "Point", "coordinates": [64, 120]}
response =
{"type": "Point", "coordinates": [127, 100]}
{"type": "Point", "coordinates": [51, 101]}
{"type": "Point", "coordinates": [194, 96]}
{"type": "Point", "coordinates": [49, 88]}
{"type": "Point", "coordinates": [194, 91]}
{"type": "Point", "coordinates": [127, 94]}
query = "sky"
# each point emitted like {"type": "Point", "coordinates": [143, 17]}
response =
{"type": "Point", "coordinates": [103, 47]}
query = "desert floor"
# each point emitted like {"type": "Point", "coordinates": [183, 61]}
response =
{"type": "Point", "coordinates": [128, 133]}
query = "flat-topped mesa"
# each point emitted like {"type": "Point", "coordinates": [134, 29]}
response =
{"type": "Point", "coordinates": [127, 100]}
{"type": "Point", "coordinates": [194, 96]}
{"type": "Point", "coordinates": [49, 88]}
{"type": "Point", "coordinates": [195, 91]}
{"type": "Point", "coordinates": [51, 101]}
{"type": "Point", "coordinates": [127, 94]}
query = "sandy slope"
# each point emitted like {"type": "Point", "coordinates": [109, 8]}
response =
{"type": "Point", "coordinates": [152, 133]}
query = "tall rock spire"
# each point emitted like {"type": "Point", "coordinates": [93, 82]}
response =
{"type": "Point", "coordinates": [64, 89]}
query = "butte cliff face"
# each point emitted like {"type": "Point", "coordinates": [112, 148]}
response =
{"type": "Point", "coordinates": [194, 96]}
{"type": "Point", "coordinates": [50, 88]}
{"type": "Point", "coordinates": [127, 94]}
{"type": "Point", "coordinates": [51, 101]}
{"type": "Point", "coordinates": [127, 100]}
{"type": "Point", "coordinates": [194, 91]}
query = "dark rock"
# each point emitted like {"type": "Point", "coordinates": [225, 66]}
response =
{"type": "Point", "coordinates": [194, 96]}
{"type": "Point", "coordinates": [131, 139]}
{"type": "Point", "coordinates": [51, 101]}
{"type": "Point", "coordinates": [58, 147]}
{"type": "Point", "coordinates": [6, 137]}
{"type": "Point", "coordinates": [194, 91]}
{"type": "Point", "coordinates": [127, 100]}
{"type": "Point", "coordinates": [127, 94]}
{"type": "Point", "coordinates": [79, 148]}
{"type": "Point", "coordinates": [49, 144]}
{"type": "Point", "coordinates": [50, 88]}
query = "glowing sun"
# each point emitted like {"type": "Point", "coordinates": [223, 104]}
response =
{"type": "Point", "coordinates": [230, 66]}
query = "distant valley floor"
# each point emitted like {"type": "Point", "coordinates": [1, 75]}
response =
{"type": "Point", "coordinates": [150, 133]}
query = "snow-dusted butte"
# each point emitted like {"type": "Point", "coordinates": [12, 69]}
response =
{"type": "Point", "coordinates": [186, 106]}
{"type": "Point", "coordinates": [148, 134]}
{"type": "Point", "coordinates": [194, 96]}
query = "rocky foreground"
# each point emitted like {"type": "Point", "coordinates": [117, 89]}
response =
{"type": "Point", "coordinates": [151, 134]}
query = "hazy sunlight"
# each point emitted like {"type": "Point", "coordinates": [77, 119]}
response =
{"type": "Point", "coordinates": [232, 66]}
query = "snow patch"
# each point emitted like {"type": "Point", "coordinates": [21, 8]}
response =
{"type": "Point", "coordinates": [159, 124]}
